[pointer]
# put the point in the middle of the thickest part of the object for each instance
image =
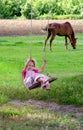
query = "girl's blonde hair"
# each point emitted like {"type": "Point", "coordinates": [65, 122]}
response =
{"type": "Point", "coordinates": [31, 60]}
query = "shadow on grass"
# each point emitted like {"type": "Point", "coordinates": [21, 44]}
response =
{"type": "Point", "coordinates": [13, 44]}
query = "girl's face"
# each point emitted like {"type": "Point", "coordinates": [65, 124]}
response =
{"type": "Point", "coordinates": [30, 65]}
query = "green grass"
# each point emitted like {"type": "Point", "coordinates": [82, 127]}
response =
{"type": "Point", "coordinates": [67, 65]}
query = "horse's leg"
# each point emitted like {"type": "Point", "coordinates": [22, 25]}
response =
{"type": "Point", "coordinates": [66, 44]}
{"type": "Point", "coordinates": [52, 38]}
{"type": "Point", "coordinates": [70, 39]}
{"type": "Point", "coordinates": [49, 34]}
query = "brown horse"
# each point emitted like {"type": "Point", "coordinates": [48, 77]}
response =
{"type": "Point", "coordinates": [64, 29]}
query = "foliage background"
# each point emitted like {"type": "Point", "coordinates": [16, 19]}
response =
{"type": "Point", "coordinates": [60, 9]}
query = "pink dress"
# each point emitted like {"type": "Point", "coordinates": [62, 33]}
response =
{"type": "Point", "coordinates": [30, 78]}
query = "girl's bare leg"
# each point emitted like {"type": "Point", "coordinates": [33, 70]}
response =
{"type": "Point", "coordinates": [43, 80]}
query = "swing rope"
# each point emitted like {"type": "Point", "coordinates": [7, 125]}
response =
{"type": "Point", "coordinates": [47, 73]}
{"type": "Point", "coordinates": [31, 32]}
{"type": "Point", "coordinates": [47, 28]}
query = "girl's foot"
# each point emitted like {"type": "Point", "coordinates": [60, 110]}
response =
{"type": "Point", "coordinates": [47, 87]}
{"type": "Point", "coordinates": [44, 81]}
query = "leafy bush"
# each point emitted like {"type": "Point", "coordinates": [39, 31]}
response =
{"type": "Point", "coordinates": [40, 8]}
{"type": "Point", "coordinates": [11, 8]}
{"type": "Point", "coordinates": [54, 16]}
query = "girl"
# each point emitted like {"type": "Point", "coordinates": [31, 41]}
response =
{"type": "Point", "coordinates": [32, 75]}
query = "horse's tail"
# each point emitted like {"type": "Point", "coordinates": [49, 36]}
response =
{"type": "Point", "coordinates": [48, 28]}
{"type": "Point", "coordinates": [44, 29]}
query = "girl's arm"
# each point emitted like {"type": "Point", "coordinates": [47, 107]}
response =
{"type": "Point", "coordinates": [43, 66]}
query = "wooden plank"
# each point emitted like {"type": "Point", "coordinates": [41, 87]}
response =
{"type": "Point", "coordinates": [36, 85]}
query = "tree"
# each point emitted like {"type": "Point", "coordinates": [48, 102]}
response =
{"type": "Point", "coordinates": [11, 8]}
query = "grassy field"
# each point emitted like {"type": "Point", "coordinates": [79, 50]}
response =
{"type": "Point", "coordinates": [67, 65]}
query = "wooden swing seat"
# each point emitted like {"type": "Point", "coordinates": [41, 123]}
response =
{"type": "Point", "coordinates": [36, 85]}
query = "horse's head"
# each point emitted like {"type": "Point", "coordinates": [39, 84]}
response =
{"type": "Point", "coordinates": [73, 43]}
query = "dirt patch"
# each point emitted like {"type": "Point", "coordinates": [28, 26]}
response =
{"type": "Point", "coordinates": [52, 106]}
{"type": "Point", "coordinates": [23, 27]}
